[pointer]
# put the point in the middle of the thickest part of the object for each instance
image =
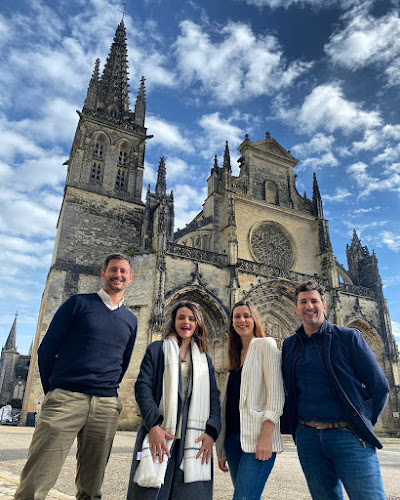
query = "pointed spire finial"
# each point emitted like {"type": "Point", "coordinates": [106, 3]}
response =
{"type": "Point", "coordinates": [140, 106]}
{"type": "Point", "coordinates": [227, 157]}
{"type": "Point", "coordinates": [161, 185]}
{"type": "Point", "coordinates": [216, 161]}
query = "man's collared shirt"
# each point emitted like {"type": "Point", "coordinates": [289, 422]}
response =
{"type": "Point", "coordinates": [316, 399]}
{"type": "Point", "coordinates": [107, 300]}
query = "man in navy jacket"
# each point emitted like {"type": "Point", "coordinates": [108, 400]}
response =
{"type": "Point", "coordinates": [82, 360]}
{"type": "Point", "coordinates": [335, 391]}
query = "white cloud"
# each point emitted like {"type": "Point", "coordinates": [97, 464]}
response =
{"type": "Point", "coordinates": [240, 66]}
{"type": "Point", "coordinates": [187, 203]}
{"type": "Point", "coordinates": [176, 168]}
{"type": "Point", "coordinates": [391, 240]}
{"type": "Point", "coordinates": [166, 134]}
{"type": "Point", "coordinates": [368, 40]}
{"type": "Point", "coordinates": [340, 195]}
{"type": "Point", "coordinates": [215, 131]}
{"type": "Point", "coordinates": [368, 183]}
{"type": "Point", "coordinates": [326, 108]}
{"type": "Point", "coordinates": [317, 144]}
{"type": "Point", "coordinates": [316, 4]}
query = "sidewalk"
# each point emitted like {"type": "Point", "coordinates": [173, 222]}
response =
{"type": "Point", "coordinates": [285, 483]}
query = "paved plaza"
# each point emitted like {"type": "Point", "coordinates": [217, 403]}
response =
{"type": "Point", "coordinates": [285, 483]}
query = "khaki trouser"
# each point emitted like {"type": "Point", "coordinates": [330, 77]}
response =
{"type": "Point", "coordinates": [64, 416]}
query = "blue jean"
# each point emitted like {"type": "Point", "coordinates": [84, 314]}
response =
{"type": "Point", "coordinates": [248, 474]}
{"type": "Point", "coordinates": [331, 457]}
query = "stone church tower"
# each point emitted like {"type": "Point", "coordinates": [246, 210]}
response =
{"type": "Point", "coordinates": [256, 238]}
{"type": "Point", "coordinates": [13, 370]}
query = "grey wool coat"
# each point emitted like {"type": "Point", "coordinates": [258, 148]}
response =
{"type": "Point", "coordinates": [148, 392]}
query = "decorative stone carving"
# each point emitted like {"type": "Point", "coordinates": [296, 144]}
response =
{"type": "Point", "coordinates": [196, 254]}
{"type": "Point", "coordinates": [357, 290]}
{"type": "Point", "coordinates": [271, 246]}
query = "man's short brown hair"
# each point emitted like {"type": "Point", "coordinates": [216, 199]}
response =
{"type": "Point", "coordinates": [116, 256]}
{"type": "Point", "coordinates": [307, 286]}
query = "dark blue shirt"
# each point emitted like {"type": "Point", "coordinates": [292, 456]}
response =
{"type": "Point", "coordinates": [87, 347]}
{"type": "Point", "coordinates": [316, 399]}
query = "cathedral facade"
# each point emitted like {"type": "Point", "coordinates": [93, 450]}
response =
{"type": "Point", "coordinates": [256, 238]}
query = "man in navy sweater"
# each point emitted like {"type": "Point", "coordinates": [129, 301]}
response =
{"type": "Point", "coordinates": [335, 391]}
{"type": "Point", "coordinates": [82, 360]}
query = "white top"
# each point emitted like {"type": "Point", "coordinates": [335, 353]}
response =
{"type": "Point", "coordinates": [261, 397]}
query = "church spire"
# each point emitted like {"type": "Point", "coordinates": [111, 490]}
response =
{"type": "Point", "coordinates": [11, 342]}
{"type": "Point", "coordinates": [113, 91]}
{"type": "Point", "coordinates": [140, 106]}
{"type": "Point", "coordinates": [161, 185]}
{"type": "Point", "coordinates": [227, 157]}
{"type": "Point", "coordinates": [316, 199]}
{"type": "Point", "coordinates": [92, 92]}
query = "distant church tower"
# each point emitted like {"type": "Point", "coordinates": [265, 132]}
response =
{"type": "Point", "coordinates": [102, 211]}
{"type": "Point", "coordinates": [13, 370]}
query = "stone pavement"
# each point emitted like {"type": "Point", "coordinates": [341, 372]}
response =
{"type": "Point", "coordinates": [285, 483]}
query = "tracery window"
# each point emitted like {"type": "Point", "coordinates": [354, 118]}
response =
{"type": "Point", "coordinates": [98, 150]}
{"type": "Point", "coordinates": [123, 156]}
{"type": "Point", "coordinates": [96, 173]}
{"type": "Point", "coordinates": [121, 179]}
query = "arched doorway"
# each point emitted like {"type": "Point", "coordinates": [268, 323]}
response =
{"type": "Point", "coordinates": [216, 319]}
{"type": "Point", "coordinates": [274, 302]}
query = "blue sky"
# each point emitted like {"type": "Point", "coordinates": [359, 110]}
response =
{"type": "Point", "coordinates": [322, 76]}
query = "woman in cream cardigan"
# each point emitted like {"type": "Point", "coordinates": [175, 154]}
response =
{"type": "Point", "coordinates": [251, 405]}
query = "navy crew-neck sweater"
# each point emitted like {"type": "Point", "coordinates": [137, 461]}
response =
{"type": "Point", "coordinates": [87, 347]}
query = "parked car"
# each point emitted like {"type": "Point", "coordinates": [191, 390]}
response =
{"type": "Point", "coordinates": [16, 419]}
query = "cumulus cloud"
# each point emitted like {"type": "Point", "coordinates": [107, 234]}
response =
{"type": "Point", "coordinates": [187, 203]}
{"type": "Point", "coordinates": [239, 66]}
{"type": "Point", "coordinates": [368, 40]}
{"type": "Point", "coordinates": [215, 131]}
{"type": "Point", "coordinates": [167, 134]}
{"type": "Point", "coordinates": [326, 108]}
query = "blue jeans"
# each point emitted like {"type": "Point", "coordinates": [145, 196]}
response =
{"type": "Point", "coordinates": [331, 457]}
{"type": "Point", "coordinates": [248, 474]}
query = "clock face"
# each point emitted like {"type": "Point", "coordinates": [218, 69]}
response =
{"type": "Point", "coordinates": [271, 246]}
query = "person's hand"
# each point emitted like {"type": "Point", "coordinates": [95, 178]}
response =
{"type": "Point", "coordinates": [158, 443]}
{"type": "Point", "coordinates": [222, 465]}
{"type": "Point", "coordinates": [206, 447]}
{"type": "Point", "coordinates": [264, 448]}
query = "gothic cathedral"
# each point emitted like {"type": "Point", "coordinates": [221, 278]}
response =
{"type": "Point", "coordinates": [255, 238]}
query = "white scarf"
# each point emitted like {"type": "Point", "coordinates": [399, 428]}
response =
{"type": "Point", "coordinates": [151, 474]}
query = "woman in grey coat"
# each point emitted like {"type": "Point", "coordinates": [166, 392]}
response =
{"type": "Point", "coordinates": [173, 451]}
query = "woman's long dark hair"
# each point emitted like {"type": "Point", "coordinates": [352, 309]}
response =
{"type": "Point", "coordinates": [234, 341]}
{"type": "Point", "coordinates": [200, 335]}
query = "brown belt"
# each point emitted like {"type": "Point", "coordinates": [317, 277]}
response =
{"type": "Point", "coordinates": [325, 425]}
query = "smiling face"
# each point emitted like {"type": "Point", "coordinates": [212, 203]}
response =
{"type": "Point", "coordinates": [311, 310]}
{"type": "Point", "coordinates": [185, 323]}
{"type": "Point", "coordinates": [243, 322]}
{"type": "Point", "coordinates": [117, 276]}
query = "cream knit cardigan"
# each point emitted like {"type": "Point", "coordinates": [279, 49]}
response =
{"type": "Point", "coordinates": [261, 397]}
